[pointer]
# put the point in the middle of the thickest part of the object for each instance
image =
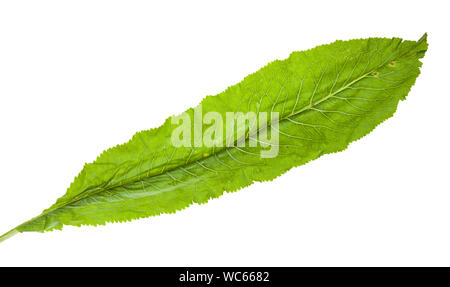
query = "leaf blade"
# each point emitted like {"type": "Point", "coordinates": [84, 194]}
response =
{"type": "Point", "coordinates": [327, 97]}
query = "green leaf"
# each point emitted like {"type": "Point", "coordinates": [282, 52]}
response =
{"type": "Point", "coordinates": [325, 97]}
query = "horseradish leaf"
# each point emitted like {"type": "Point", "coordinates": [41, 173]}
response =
{"type": "Point", "coordinates": [315, 102]}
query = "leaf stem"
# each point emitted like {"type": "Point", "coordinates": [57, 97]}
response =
{"type": "Point", "coordinates": [8, 234]}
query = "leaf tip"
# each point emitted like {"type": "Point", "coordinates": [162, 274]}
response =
{"type": "Point", "coordinates": [422, 45]}
{"type": "Point", "coordinates": [424, 37]}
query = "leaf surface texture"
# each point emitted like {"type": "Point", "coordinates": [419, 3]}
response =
{"type": "Point", "coordinates": [326, 98]}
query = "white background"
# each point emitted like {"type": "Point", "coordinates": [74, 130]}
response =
{"type": "Point", "coordinates": [77, 77]}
